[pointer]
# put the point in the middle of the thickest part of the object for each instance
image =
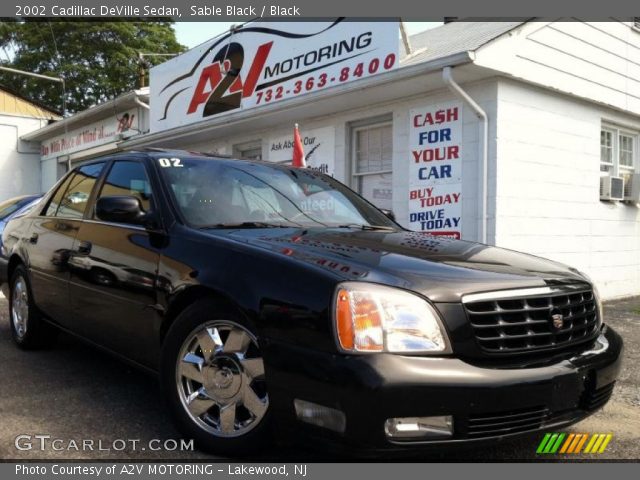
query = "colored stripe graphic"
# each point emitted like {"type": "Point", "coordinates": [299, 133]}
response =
{"type": "Point", "coordinates": [550, 443]}
{"type": "Point", "coordinates": [592, 441]}
{"type": "Point", "coordinates": [544, 441]}
{"type": "Point", "coordinates": [606, 441]}
{"type": "Point", "coordinates": [556, 446]}
{"type": "Point", "coordinates": [573, 443]}
{"type": "Point", "coordinates": [567, 442]}
{"type": "Point", "coordinates": [581, 443]}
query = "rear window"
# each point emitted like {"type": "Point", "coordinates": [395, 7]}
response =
{"type": "Point", "coordinates": [72, 198]}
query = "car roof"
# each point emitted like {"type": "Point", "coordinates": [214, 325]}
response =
{"type": "Point", "coordinates": [156, 153]}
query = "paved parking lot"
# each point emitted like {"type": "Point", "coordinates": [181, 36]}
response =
{"type": "Point", "coordinates": [74, 392]}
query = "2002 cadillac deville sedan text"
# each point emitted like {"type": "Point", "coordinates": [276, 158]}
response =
{"type": "Point", "coordinates": [269, 296]}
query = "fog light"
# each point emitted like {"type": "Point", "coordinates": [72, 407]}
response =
{"type": "Point", "coordinates": [320, 415]}
{"type": "Point", "coordinates": [417, 428]}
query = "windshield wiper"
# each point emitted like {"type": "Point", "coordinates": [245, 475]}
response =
{"type": "Point", "coordinates": [367, 227]}
{"type": "Point", "coordinates": [250, 225]}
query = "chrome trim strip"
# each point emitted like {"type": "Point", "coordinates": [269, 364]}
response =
{"type": "Point", "coordinates": [523, 292]}
{"type": "Point", "coordinates": [113, 224]}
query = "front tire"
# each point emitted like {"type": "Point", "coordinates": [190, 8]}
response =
{"type": "Point", "coordinates": [213, 378]}
{"type": "Point", "coordinates": [28, 329]}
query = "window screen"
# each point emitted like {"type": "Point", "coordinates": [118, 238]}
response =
{"type": "Point", "coordinates": [374, 149]}
{"type": "Point", "coordinates": [606, 150]}
{"type": "Point", "coordinates": [626, 151]}
{"type": "Point", "coordinates": [373, 158]}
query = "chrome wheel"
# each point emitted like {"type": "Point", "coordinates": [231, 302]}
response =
{"type": "Point", "coordinates": [220, 379]}
{"type": "Point", "coordinates": [20, 307]}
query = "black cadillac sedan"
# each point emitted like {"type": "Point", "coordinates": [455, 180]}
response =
{"type": "Point", "coordinates": [273, 299]}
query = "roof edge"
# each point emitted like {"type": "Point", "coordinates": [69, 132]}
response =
{"type": "Point", "coordinates": [125, 100]}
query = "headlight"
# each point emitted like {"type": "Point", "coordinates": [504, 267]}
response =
{"type": "Point", "coordinates": [375, 318]}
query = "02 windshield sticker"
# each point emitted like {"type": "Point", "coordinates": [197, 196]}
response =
{"type": "Point", "coordinates": [170, 162]}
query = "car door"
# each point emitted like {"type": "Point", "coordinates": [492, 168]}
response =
{"type": "Point", "coordinates": [51, 238]}
{"type": "Point", "coordinates": [114, 270]}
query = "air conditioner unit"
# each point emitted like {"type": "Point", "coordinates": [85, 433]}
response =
{"type": "Point", "coordinates": [632, 188]}
{"type": "Point", "coordinates": [611, 188]}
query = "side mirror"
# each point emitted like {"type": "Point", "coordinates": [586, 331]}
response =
{"type": "Point", "coordinates": [120, 209]}
{"type": "Point", "coordinates": [389, 214]}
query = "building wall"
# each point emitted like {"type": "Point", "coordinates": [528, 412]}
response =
{"type": "Point", "coordinates": [19, 161]}
{"type": "Point", "coordinates": [599, 61]}
{"type": "Point", "coordinates": [484, 92]}
{"type": "Point", "coordinates": [548, 202]}
{"type": "Point", "coordinates": [51, 173]}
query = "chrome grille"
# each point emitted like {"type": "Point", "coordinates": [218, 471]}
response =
{"type": "Point", "coordinates": [523, 322]}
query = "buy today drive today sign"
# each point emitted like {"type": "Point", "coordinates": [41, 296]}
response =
{"type": "Point", "coordinates": [435, 169]}
{"type": "Point", "coordinates": [267, 62]}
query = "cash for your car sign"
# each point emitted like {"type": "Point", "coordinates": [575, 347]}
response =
{"type": "Point", "coordinates": [318, 144]}
{"type": "Point", "coordinates": [435, 175]}
{"type": "Point", "coordinates": [267, 62]}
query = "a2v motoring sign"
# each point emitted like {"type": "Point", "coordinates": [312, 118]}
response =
{"type": "Point", "coordinates": [435, 171]}
{"type": "Point", "coordinates": [267, 62]}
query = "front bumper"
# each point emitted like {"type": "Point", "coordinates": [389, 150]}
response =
{"type": "Point", "coordinates": [487, 404]}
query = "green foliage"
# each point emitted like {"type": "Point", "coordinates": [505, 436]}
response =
{"type": "Point", "coordinates": [98, 60]}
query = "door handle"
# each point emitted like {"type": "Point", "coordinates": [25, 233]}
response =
{"type": "Point", "coordinates": [34, 238]}
{"type": "Point", "coordinates": [84, 248]}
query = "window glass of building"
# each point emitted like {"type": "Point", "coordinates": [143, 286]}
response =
{"type": "Point", "coordinates": [373, 158]}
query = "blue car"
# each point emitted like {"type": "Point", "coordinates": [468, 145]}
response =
{"type": "Point", "coordinates": [14, 207]}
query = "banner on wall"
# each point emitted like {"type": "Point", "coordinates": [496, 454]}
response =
{"type": "Point", "coordinates": [319, 146]}
{"type": "Point", "coordinates": [435, 169]}
{"type": "Point", "coordinates": [267, 62]}
{"type": "Point", "coordinates": [91, 135]}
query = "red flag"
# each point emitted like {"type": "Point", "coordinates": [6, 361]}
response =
{"type": "Point", "coordinates": [298, 151]}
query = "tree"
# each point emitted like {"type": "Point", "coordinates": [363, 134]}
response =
{"type": "Point", "coordinates": [98, 60]}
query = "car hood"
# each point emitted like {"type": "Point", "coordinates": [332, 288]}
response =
{"type": "Point", "coordinates": [441, 269]}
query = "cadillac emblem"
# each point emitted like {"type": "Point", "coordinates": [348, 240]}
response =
{"type": "Point", "coordinates": [557, 320]}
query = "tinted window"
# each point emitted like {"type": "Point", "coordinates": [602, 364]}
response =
{"type": "Point", "coordinates": [52, 208]}
{"type": "Point", "coordinates": [128, 178]}
{"type": "Point", "coordinates": [76, 196]}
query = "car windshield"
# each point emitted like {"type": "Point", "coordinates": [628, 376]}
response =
{"type": "Point", "coordinates": [219, 194]}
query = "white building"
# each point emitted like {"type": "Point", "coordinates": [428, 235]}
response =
{"type": "Point", "coordinates": [99, 130]}
{"type": "Point", "coordinates": [497, 132]}
{"type": "Point", "coordinates": [19, 160]}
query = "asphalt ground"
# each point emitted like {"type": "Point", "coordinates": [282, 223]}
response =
{"type": "Point", "coordinates": [73, 392]}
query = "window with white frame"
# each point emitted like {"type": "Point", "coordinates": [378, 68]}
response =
{"type": "Point", "coordinates": [619, 152]}
{"type": "Point", "coordinates": [372, 162]}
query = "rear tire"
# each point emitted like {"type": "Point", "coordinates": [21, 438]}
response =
{"type": "Point", "coordinates": [28, 329]}
{"type": "Point", "coordinates": [212, 374]}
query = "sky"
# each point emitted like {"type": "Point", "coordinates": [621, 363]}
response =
{"type": "Point", "coordinates": [195, 33]}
